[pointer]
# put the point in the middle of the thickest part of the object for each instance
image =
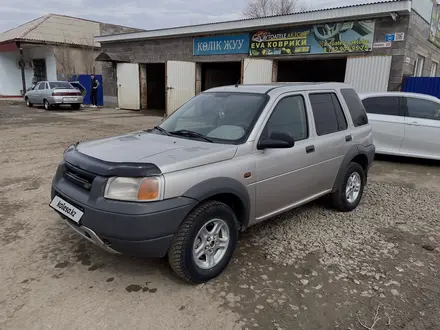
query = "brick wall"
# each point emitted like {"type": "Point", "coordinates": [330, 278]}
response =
{"type": "Point", "coordinates": [405, 52]}
{"type": "Point", "coordinates": [418, 44]}
{"type": "Point", "coordinates": [387, 25]}
{"type": "Point", "coordinates": [159, 51]}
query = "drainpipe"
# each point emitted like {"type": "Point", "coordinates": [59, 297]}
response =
{"type": "Point", "coordinates": [23, 78]}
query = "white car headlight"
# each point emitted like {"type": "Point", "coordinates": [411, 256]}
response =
{"type": "Point", "coordinates": [135, 189]}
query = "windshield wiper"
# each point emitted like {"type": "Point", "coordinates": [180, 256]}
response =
{"type": "Point", "coordinates": [160, 129]}
{"type": "Point", "coordinates": [185, 132]}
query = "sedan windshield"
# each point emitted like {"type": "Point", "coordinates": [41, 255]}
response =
{"type": "Point", "coordinates": [60, 84]}
{"type": "Point", "coordinates": [220, 117]}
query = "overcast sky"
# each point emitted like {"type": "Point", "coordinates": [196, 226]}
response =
{"type": "Point", "coordinates": [144, 14]}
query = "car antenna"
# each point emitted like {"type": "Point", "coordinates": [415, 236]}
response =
{"type": "Point", "coordinates": [244, 71]}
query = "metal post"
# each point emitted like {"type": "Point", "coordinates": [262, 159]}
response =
{"type": "Point", "coordinates": [23, 78]}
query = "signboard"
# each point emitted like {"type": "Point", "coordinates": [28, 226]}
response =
{"type": "Point", "coordinates": [389, 37]}
{"type": "Point", "coordinates": [382, 44]}
{"type": "Point", "coordinates": [434, 29]}
{"type": "Point", "coordinates": [219, 45]}
{"type": "Point", "coordinates": [399, 36]}
{"type": "Point", "coordinates": [348, 37]}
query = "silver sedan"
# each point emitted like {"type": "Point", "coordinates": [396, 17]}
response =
{"type": "Point", "coordinates": [54, 93]}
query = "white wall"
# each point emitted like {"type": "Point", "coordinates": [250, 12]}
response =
{"type": "Point", "coordinates": [423, 8]}
{"type": "Point", "coordinates": [10, 73]}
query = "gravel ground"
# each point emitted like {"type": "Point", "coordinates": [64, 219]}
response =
{"type": "Point", "coordinates": [312, 268]}
{"type": "Point", "coordinates": [352, 241]}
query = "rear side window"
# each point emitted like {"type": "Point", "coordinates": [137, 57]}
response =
{"type": "Point", "coordinates": [328, 114]}
{"type": "Point", "coordinates": [60, 84]}
{"type": "Point", "coordinates": [418, 108]}
{"type": "Point", "coordinates": [355, 106]}
{"type": "Point", "coordinates": [385, 105]}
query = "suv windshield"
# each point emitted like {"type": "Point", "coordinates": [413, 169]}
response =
{"type": "Point", "coordinates": [60, 84]}
{"type": "Point", "coordinates": [220, 116]}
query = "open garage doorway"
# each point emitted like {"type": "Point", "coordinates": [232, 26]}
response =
{"type": "Point", "coordinates": [220, 74]}
{"type": "Point", "coordinates": [156, 87]}
{"type": "Point", "coordinates": [322, 70]}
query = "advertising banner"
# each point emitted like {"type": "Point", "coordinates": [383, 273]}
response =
{"type": "Point", "coordinates": [348, 37]}
{"type": "Point", "coordinates": [221, 45]}
{"type": "Point", "coordinates": [434, 29]}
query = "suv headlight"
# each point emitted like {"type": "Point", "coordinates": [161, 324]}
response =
{"type": "Point", "coordinates": [135, 189]}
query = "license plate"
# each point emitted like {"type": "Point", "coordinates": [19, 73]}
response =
{"type": "Point", "coordinates": [70, 99]}
{"type": "Point", "coordinates": [70, 211]}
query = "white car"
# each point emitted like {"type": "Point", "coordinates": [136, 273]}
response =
{"type": "Point", "coordinates": [404, 124]}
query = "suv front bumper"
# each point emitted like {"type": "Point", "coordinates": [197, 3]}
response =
{"type": "Point", "coordinates": [138, 229]}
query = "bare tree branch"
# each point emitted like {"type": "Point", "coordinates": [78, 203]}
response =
{"type": "Point", "coordinates": [88, 55]}
{"type": "Point", "coordinates": [263, 8]}
{"type": "Point", "coordinates": [65, 60]}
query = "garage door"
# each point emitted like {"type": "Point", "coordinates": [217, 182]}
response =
{"type": "Point", "coordinates": [368, 74]}
{"type": "Point", "coordinates": [181, 84]}
{"type": "Point", "coordinates": [127, 75]}
{"type": "Point", "coordinates": [257, 71]}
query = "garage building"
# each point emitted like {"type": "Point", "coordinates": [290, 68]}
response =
{"type": "Point", "coordinates": [371, 46]}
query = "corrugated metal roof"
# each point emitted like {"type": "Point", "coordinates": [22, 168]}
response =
{"type": "Point", "coordinates": [22, 30]}
{"type": "Point", "coordinates": [55, 29]}
{"type": "Point", "coordinates": [337, 13]}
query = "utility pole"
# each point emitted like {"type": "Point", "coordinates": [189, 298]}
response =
{"type": "Point", "coordinates": [23, 78]}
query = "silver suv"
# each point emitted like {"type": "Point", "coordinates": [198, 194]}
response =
{"type": "Point", "coordinates": [227, 159]}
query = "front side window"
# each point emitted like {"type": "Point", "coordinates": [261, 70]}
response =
{"type": "Point", "coordinates": [383, 105]}
{"type": "Point", "coordinates": [42, 86]}
{"type": "Point", "coordinates": [289, 116]}
{"type": "Point", "coordinates": [327, 112]}
{"type": "Point", "coordinates": [425, 109]}
{"type": "Point", "coordinates": [224, 117]}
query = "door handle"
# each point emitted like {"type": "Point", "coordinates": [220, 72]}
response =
{"type": "Point", "coordinates": [414, 123]}
{"type": "Point", "coordinates": [310, 149]}
{"type": "Point", "coordinates": [348, 138]}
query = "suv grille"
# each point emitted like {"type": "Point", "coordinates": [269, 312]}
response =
{"type": "Point", "coordinates": [79, 177]}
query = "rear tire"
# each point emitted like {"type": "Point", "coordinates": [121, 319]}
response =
{"type": "Point", "coordinates": [47, 105]}
{"type": "Point", "coordinates": [28, 103]}
{"type": "Point", "coordinates": [349, 194]}
{"type": "Point", "coordinates": [203, 245]}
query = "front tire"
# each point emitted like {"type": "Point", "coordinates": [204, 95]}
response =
{"type": "Point", "coordinates": [203, 245]}
{"type": "Point", "coordinates": [349, 194]}
{"type": "Point", "coordinates": [28, 103]}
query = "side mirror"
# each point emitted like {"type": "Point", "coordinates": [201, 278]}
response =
{"type": "Point", "coordinates": [277, 140]}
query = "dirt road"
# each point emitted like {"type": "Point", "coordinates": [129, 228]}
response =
{"type": "Point", "coordinates": [309, 269]}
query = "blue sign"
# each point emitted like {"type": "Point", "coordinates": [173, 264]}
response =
{"type": "Point", "coordinates": [221, 45]}
{"type": "Point", "coordinates": [389, 37]}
